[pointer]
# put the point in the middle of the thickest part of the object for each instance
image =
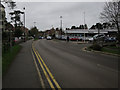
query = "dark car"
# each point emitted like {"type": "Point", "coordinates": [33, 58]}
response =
{"type": "Point", "coordinates": [110, 39]}
{"type": "Point", "coordinates": [40, 37]}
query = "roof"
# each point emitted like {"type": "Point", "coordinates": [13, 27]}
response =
{"type": "Point", "coordinates": [90, 31]}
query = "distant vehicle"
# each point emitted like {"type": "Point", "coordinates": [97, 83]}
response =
{"type": "Point", "coordinates": [80, 38]}
{"type": "Point", "coordinates": [91, 39]}
{"type": "Point", "coordinates": [49, 38]}
{"type": "Point", "coordinates": [40, 37]}
{"type": "Point", "coordinates": [98, 36]}
{"type": "Point", "coordinates": [72, 38]}
{"type": "Point", "coordinates": [29, 37]}
{"type": "Point", "coordinates": [16, 39]}
{"type": "Point", "coordinates": [110, 39]}
{"type": "Point", "coordinates": [64, 37]}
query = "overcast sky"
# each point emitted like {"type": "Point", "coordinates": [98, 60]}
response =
{"type": "Point", "coordinates": [46, 14]}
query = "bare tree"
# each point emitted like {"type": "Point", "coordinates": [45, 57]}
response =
{"type": "Point", "coordinates": [111, 13]}
{"type": "Point", "coordinates": [11, 4]}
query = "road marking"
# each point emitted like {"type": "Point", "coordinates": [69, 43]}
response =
{"type": "Point", "coordinates": [57, 85]}
{"type": "Point", "coordinates": [40, 77]}
{"type": "Point", "coordinates": [46, 75]}
{"type": "Point", "coordinates": [44, 66]}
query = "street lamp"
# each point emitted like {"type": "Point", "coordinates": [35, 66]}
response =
{"type": "Point", "coordinates": [34, 24]}
{"type": "Point", "coordinates": [84, 27]}
{"type": "Point", "coordinates": [24, 25]}
{"type": "Point", "coordinates": [61, 24]}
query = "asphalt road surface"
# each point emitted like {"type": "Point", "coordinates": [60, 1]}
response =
{"type": "Point", "coordinates": [74, 68]}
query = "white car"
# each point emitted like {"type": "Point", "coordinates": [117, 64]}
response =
{"type": "Point", "coordinates": [64, 37]}
{"type": "Point", "coordinates": [49, 38]}
{"type": "Point", "coordinates": [97, 36]}
{"type": "Point", "coordinates": [91, 39]}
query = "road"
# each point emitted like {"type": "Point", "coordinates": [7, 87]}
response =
{"type": "Point", "coordinates": [74, 68]}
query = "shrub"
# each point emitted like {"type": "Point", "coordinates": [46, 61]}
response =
{"type": "Point", "coordinates": [96, 47]}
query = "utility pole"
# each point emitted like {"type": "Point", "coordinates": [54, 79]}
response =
{"type": "Point", "coordinates": [34, 24]}
{"type": "Point", "coordinates": [24, 26]}
{"type": "Point", "coordinates": [84, 27]}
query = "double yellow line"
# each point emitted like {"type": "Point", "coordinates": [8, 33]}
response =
{"type": "Point", "coordinates": [46, 71]}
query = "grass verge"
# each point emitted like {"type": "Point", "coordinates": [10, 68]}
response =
{"type": "Point", "coordinates": [8, 57]}
{"type": "Point", "coordinates": [113, 50]}
{"type": "Point", "coordinates": [36, 39]}
{"type": "Point", "coordinates": [107, 49]}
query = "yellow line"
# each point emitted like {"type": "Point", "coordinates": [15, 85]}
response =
{"type": "Point", "coordinates": [40, 77]}
{"type": "Point", "coordinates": [57, 85]}
{"type": "Point", "coordinates": [51, 85]}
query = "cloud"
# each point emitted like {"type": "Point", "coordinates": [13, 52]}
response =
{"type": "Point", "coordinates": [46, 14]}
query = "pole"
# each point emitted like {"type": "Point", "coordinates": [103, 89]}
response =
{"type": "Point", "coordinates": [84, 27]}
{"type": "Point", "coordinates": [24, 26]}
{"type": "Point", "coordinates": [61, 25]}
{"type": "Point", "coordinates": [34, 24]}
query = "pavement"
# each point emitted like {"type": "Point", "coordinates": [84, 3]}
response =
{"type": "Point", "coordinates": [74, 68]}
{"type": "Point", "coordinates": [22, 72]}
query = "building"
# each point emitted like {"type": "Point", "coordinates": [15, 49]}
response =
{"type": "Point", "coordinates": [25, 30]}
{"type": "Point", "coordinates": [57, 33]}
{"type": "Point", "coordinates": [90, 32]}
{"type": "Point", "coordinates": [50, 32]}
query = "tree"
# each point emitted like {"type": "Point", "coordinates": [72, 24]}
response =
{"type": "Point", "coordinates": [85, 26]}
{"type": "Point", "coordinates": [93, 27]}
{"type": "Point", "coordinates": [104, 25]}
{"type": "Point", "coordinates": [18, 32]}
{"type": "Point", "coordinates": [10, 3]}
{"type": "Point", "coordinates": [15, 17]}
{"type": "Point", "coordinates": [99, 26]}
{"type": "Point", "coordinates": [33, 32]}
{"type": "Point", "coordinates": [73, 27]}
{"type": "Point", "coordinates": [111, 13]}
{"type": "Point", "coordinates": [82, 26]}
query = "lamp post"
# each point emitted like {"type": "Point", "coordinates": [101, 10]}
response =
{"type": "Point", "coordinates": [34, 24]}
{"type": "Point", "coordinates": [61, 25]}
{"type": "Point", "coordinates": [84, 27]}
{"type": "Point", "coordinates": [24, 26]}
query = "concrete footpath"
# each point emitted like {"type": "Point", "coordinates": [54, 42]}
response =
{"type": "Point", "coordinates": [22, 72]}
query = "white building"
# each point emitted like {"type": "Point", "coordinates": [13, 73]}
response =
{"type": "Point", "coordinates": [89, 32]}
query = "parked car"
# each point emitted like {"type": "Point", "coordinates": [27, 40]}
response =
{"type": "Point", "coordinates": [64, 37]}
{"type": "Point", "coordinates": [98, 36]}
{"type": "Point", "coordinates": [49, 38]}
{"type": "Point", "coordinates": [80, 38]}
{"type": "Point", "coordinates": [110, 39]}
{"type": "Point", "coordinates": [91, 39]}
{"type": "Point", "coordinates": [40, 37]}
{"type": "Point", "coordinates": [72, 38]}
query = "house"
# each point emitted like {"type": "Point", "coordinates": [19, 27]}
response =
{"type": "Point", "coordinates": [25, 30]}
{"type": "Point", "coordinates": [50, 32]}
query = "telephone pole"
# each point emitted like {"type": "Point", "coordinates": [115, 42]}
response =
{"type": "Point", "coordinates": [24, 26]}
{"type": "Point", "coordinates": [84, 27]}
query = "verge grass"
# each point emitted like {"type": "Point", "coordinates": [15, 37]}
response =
{"type": "Point", "coordinates": [8, 57]}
